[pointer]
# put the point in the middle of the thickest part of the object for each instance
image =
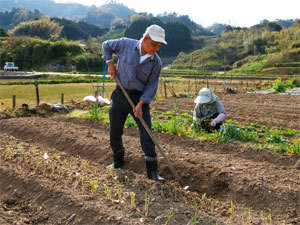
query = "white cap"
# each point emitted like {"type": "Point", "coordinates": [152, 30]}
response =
{"type": "Point", "coordinates": [205, 95]}
{"type": "Point", "coordinates": [156, 33]}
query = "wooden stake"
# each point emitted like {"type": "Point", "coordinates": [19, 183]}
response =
{"type": "Point", "coordinates": [62, 98]}
{"type": "Point", "coordinates": [14, 101]}
{"type": "Point", "coordinates": [37, 93]}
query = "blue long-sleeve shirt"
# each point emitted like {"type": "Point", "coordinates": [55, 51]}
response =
{"type": "Point", "coordinates": [134, 75]}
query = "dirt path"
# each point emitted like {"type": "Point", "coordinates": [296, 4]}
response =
{"type": "Point", "coordinates": [254, 181]}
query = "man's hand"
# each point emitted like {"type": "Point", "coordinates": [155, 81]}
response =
{"type": "Point", "coordinates": [112, 69]}
{"type": "Point", "coordinates": [138, 109]}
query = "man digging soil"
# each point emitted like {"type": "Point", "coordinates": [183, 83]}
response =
{"type": "Point", "coordinates": [138, 70]}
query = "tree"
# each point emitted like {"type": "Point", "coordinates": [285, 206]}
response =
{"type": "Point", "coordinates": [3, 33]}
{"type": "Point", "coordinates": [43, 28]}
{"type": "Point", "coordinates": [15, 16]}
{"type": "Point", "coordinates": [137, 28]}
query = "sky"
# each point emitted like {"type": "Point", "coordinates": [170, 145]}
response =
{"type": "Point", "coordinates": [243, 13]}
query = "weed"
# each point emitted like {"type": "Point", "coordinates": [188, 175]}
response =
{"type": "Point", "coordinates": [95, 112]}
{"type": "Point", "coordinates": [130, 122]}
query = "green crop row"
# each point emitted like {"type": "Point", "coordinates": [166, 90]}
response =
{"type": "Point", "coordinates": [283, 140]}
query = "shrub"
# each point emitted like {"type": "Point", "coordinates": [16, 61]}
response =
{"type": "Point", "coordinates": [296, 82]}
{"type": "Point", "coordinates": [279, 86]}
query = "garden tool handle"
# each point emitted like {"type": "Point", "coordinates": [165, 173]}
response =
{"type": "Point", "coordinates": [148, 130]}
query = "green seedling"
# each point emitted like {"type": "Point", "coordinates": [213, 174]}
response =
{"type": "Point", "coordinates": [44, 168]}
{"type": "Point", "coordinates": [242, 215]}
{"type": "Point", "coordinates": [249, 217]}
{"type": "Point", "coordinates": [263, 218]}
{"type": "Point", "coordinates": [94, 187]}
{"type": "Point", "coordinates": [195, 201]}
{"type": "Point", "coordinates": [119, 190]}
{"type": "Point", "coordinates": [162, 189]}
{"type": "Point", "coordinates": [107, 191]}
{"type": "Point", "coordinates": [231, 211]}
{"type": "Point", "coordinates": [194, 219]}
{"type": "Point", "coordinates": [147, 201]}
{"type": "Point", "coordinates": [57, 157]}
{"type": "Point", "coordinates": [110, 171]}
{"type": "Point", "coordinates": [132, 199]}
{"type": "Point", "coordinates": [270, 216]}
{"type": "Point", "coordinates": [169, 215]}
{"type": "Point", "coordinates": [212, 205]}
{"type": "Point", "coordinates": [82, 183]}
{"type": "Point", "coordinates": [37, 165]}
{"type": "Point", "coordinates": [53, 169]}
{"type": "Point", "coordinates": [69, 177]}
{"type": "Point", "coordinates": [84, 163]}
{"type": "Point", "coordinates": [202, 201]}
{"type": "Point", "coordinates": [33, 149]}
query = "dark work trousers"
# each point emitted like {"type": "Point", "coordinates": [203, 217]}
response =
{"type": "Point", "coordinates": [118, 112]}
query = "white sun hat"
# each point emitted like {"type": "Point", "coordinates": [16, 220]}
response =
{"type": "Point", "coordinates": [156, 33]}
{"type": "Point", "coordinates": [205, 95]}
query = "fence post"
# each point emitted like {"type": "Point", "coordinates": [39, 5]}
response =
{"type": "Point", "coordinates": [216, 83]}
{"type": "Point", "coordinates": [37, 93]}
{"type": "Point", "coordinates": [165, 88]}
{"type": "Point", "coordinates": [14, 101]}
{"type": "Point", "coordinates": [62, 98]}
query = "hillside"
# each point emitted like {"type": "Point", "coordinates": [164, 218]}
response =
{"type": "Point", "coordinates": [267, 48]}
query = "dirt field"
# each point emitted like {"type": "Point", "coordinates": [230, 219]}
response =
{"type": "Point", "coordinates": [49, 166]}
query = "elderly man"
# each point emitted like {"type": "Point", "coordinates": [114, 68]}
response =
{"type": "Point", "coordinates": [138, 70]}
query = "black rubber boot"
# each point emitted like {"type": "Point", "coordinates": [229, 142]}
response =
{"type": "Point", "coordinates": [152, 171]}
{"type": "Point", "coordinates": [118, 159]}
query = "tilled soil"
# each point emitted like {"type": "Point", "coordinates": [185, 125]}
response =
{"type": "Point", "coordinates": [48, 165]}
{"type": "Point", "coordinates": [265, 109]}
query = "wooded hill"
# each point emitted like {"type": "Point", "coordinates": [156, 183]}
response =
{"type": "Point", "coordinates": [269, 47]}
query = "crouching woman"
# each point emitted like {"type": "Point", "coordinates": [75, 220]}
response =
{"type": "Point", "coordinates": [209, 112]}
